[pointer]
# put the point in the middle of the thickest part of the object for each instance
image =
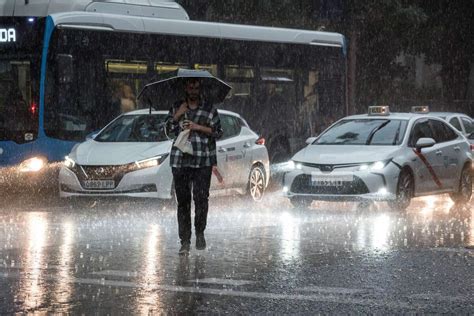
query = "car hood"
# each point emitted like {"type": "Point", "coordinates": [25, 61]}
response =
{"type": "Point", "coordinates": [346, 154]}
{"type": "Point", "coordinates": [101, 154]}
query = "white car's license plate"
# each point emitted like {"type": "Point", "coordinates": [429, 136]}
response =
{"type": "Point", "coordinates": [318, 179]}
{"type": "Point", "coordinates": [99, 184]}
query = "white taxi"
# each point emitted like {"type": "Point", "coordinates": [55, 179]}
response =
{"type": "Point", "coordinates": [382, 156]}
{"type": "Point", "coordinates": [130, 157]}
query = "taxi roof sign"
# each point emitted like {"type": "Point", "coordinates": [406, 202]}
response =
{"type": "Point", "coordinates": [379, 110]}
{"type": "Point", "coordinates": [421, 109]}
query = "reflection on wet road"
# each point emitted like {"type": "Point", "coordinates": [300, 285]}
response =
{"type": "Point", "coordinates": [121, 256]}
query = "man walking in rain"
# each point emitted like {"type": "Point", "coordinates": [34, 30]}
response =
{"type": "Point", "coordinates": [192, 171]}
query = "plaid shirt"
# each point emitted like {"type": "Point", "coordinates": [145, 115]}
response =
{"type": "Point", "coordinates": [204, 146]}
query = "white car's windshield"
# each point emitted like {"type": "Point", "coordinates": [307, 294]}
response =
{"type": "Point", "coordinates": [135, 128]}
{"type": "Point", "coordinates": [364, 132]}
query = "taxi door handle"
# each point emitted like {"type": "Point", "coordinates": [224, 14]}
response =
{"type": "Point", "coordinates": [247, 145]}
{"type": "Point", "coordinates": [222, 150]}
{"type": "Point", "coordinates": [457, 148]}
{"type": "Point", "coordinates": [439, 152]}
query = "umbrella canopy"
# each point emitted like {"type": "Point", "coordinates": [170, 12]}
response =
{"type": "Point", "coordinates": [163, 93]}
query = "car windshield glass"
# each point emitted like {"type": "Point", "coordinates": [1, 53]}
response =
{"type": "Point", "coordinates": [135, 128]}
{"type": "Point", "coordinates": [364, 132]}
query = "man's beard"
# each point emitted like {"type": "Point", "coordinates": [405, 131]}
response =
{"type": "Point", "coordinates": [193, 97]}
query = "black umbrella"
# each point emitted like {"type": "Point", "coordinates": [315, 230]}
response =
{"type": "Point", "coordinates": [169, 88]}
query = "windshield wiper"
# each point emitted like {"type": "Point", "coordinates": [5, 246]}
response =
{"type": "Point", "coordinates": [397, 134]}
{"type": "Point", "coordinates": [375, 130]}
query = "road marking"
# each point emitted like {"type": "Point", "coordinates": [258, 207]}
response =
{"type": "Point", "coordinates": [116, 273]}
{"type": "Point", "coordinates": [334, 290]}
{"type": "Point", "coordinates": [456, 250]}
{"type": "Point", "coordinates": [222, 281]}
{"type": "Point", "coordinates": [386, 302]}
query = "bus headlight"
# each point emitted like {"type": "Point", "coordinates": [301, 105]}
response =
{"type": "Point", "coordinates": [34, 164]}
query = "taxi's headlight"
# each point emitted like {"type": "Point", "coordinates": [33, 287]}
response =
{"type": "Point", "coordinates": [375, 166]}
{"type": "Point", "coordinates": [148, 163]}
{"type": "Point", "coordinates": [293, 165]}
{"type": "Point", "coordinates": [34, 164]}
{"type": "Point", "coordinates": [69, 163]}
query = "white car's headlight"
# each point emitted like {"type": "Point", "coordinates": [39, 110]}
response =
{"type": "Point", "coordinates": [150, 162]}
{"type": "Point", "coordinates": [69, 163]}
{"type": "Point", "coordinates": [375, 166]}
{"type": "Point", "coordinates": [34, 164]}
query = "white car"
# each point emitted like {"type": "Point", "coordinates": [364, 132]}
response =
{"type": "Point", "coordinates": [130, 157]}
{"type": "Point", "coordinates": [382, 156]}
{"type": "Point", "coordinates": [461, 122]}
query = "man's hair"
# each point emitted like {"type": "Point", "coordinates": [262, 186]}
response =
{"type": "Point", "coordinates": [192, 80]}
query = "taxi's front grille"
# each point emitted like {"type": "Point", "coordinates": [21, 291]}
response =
{"type": "Point", "coordinates": [302, 184]}
{"type": "Point", "coordinates": [329, 167]}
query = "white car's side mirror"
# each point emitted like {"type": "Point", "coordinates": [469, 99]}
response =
{"type": "Point", "coordinates": [310, 140]}
{"type": "Point", "coordinates": [92, 135]}
{"type": "Point", "coordinates": [424, 142]}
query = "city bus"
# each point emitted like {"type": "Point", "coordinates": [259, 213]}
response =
{"type": "Point", "coordinates": [67, 68]}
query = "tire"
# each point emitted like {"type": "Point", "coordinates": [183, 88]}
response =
{"type": "Point", "coordinates": [256, 184]}
{"type": "Point", "coordinates": [279, 153]}
{"type": "Point", "coordinates": [301, 202]}
{"type": "Point", "coordinates": [464, 193]}
{"type": "Point", "coordinates": [405, 191]}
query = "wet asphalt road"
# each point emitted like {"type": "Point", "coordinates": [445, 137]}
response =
{"type": "Point", "coordinates": [121, 257]}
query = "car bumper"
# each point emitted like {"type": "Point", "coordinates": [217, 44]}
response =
{"type": "Point", "coordinates": [365, 185]}
{"type": "Point", "coordinates": [154, 182]}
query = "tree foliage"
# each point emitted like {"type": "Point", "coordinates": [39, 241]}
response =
{"type": "Point", "coordinates": [447, 38]}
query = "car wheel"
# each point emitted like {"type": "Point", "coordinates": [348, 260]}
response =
{"type": "Point", "coordinates": [465, 188]}
{"type": "Point", "coordinates": [405, 189]}
{"type": "Point", "coordinates": [256, 185]}
{"type": "Point", "coordinates": [301, 202]}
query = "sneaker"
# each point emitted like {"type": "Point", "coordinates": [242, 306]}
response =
{"type": "Point", "coordinates": [200, 242]}
{"type": "Point", "coordinates": [184, 250]}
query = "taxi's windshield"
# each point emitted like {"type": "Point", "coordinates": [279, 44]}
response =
{"type": "Point", "coordinates": [135, 128]}
{"type": "Point", "coordinates": [383, 132]}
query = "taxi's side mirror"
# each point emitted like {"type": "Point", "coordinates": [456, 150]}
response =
{"type": "Point", "coordinates": [424, 142]}
{"type": "Point", "coordinates": [310, 140]}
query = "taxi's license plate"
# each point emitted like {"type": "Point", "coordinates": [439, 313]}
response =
{"type": "Point", "coordinates": [318, 179]}
{"type": "Point", "coordinates": [99, 184]}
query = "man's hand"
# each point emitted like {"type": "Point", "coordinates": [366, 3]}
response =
{"type": "Point", "coordinates": [183, 108]}
{"type": "Point", "coordinates": [196, 127]}
{"type": "Point", "coordinates": [191, 125]}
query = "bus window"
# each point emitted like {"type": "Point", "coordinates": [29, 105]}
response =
{"type": "Point", "coordinates": [120, 66]}
{"type": "Point", "coordinates": [17, 108]}
{"type": "Point", "coordinates": [241, 79]}
{"type": "Point", "coordinates": [212, 69]}
{"type": "Point", "coordinates": [162, 68]}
